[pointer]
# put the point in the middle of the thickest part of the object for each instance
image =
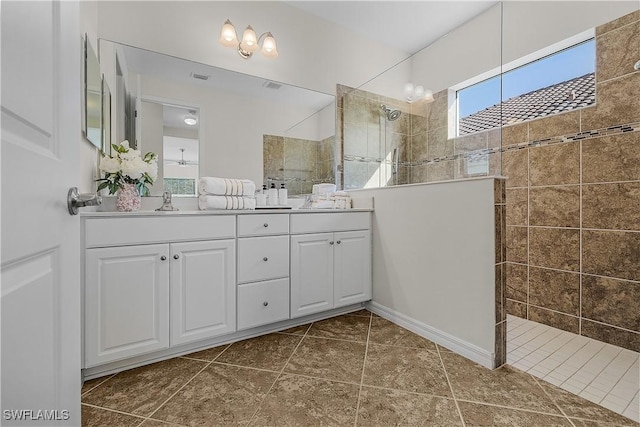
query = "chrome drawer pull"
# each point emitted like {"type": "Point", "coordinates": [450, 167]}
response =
{"type": "Point", "coordinates": [163, 258]}
{"type": "Point", "coordinates": [265, 224]}
{"type": "Point", "coordinates": [265, 303]}
{"type": "Point", "coordinates": [265, 259]}
{"type": "Point", "coordinates": [331, 242]}
{"type": "Point", "coordinates": [176, 256]}
{"type": "Point", "coordinates": [339, 241]}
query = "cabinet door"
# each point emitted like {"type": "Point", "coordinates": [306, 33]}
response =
{"type": "Point", "coordinates": [126, 302]}
{"type": "Point", "coordinates": [352, 257]}
{"type": "Point", "coordinates": [203, 295]}
{"type": "Point", "coordinates": [311, 273]}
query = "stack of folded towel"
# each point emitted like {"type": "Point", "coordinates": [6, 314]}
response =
{"type": "Point", "coordinates": [226, 193]}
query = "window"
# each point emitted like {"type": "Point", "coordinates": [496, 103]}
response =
{"type": "Point", "coordinates": [556, 83]}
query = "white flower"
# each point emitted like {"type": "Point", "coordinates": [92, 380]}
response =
{"type": "Point", "coordinates": [152, 169]}
{"type": "Point", "coordinates": [125, 144]}
{"type": "Point", "coordinates": [109, 165]}
{"type": "Point", "coordinates": [130, 155]}
{"type": "Point", "coordinates": [134, 168]}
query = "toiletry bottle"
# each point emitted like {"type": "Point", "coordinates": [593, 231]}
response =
{"type": "Point", "coordinates": [273, 195]}
{"type": "Point", "coordinates": [282, 195]}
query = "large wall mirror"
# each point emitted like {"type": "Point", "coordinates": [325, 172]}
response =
{"type": "Point", "coordinates": [93, 119]}
{"type": "Point", "coordinates": [157, 95]}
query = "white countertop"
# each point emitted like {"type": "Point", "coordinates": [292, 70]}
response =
{"type": "Point", "coordinates": [218, 212]}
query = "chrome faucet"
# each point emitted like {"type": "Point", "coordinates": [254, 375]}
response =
{"type": "Point", "coordinates": [166, 202]}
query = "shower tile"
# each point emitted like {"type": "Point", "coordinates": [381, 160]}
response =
{"type": "Point", "coordinates": [419, 173]}
{"type": "Point", "coordinates": [611, 206]}
{"type": "Point", "coordinates": [611, 158]}
{"type": "Point", "coordinates": [419, 147]}
{"type": "Point", "coordinates": [517, 206]}
{"type": "Point", "coordinates": [611, 253]}
{"type": "Point", "coordinates": [517, 279]}
{"type": "Point", "coordinates": [515, 134]}
{"type": "Point", "coordinates": [356, 174]}
{"type": "Point", "coordinates": [495, 164]}
{"type": "Point", "coordinates": [499, 192]}
{"type": "Point", "coordinates": [468, 168]}
{"type": "Point", "coordinates": [555, 164]}
{"type": "Point", "coordinates": [441, 171]}
{"type": "Point", "coordinates": [403, 175]}
{"type": "Point", "coordinates": [355, 139]}
{"type": "Point", "coordinates": [500, 233]}
{"type": "Point", "coordinates": [611, 335]}
{"type": "Point", "coordinates": [500, 349]}
{"type": "Point", "coordinates": [419, 121]}
{"type": "Point", "coordinates": [555, 206]}
{"type": "Point", "coordinates": [516, 244]}
{"type": "Point", "coordinates": [381, 407]}
{"type": "Point", "coordinates": [554, 126]}
{"type": "Point", "coordinates": [554, 248]}
{"type": "Point", "coordinates": [358, 109]}
{"type": "Point", "coordinates": [439, 145]}
{"type": "Point", "coordinates": [516, 308]}
{"type": "Point", "coordinates": [555, 290]}
{"type": "Point", "coordinates": [473, 142]}
{"type": "Point", "coordinates": [555, 319]}
{"type": "Point", "coordinates": [494, 138]}
{"type": "Point", "coordinates": [611, 301]}
{"type": "Point", "coordinates": [438, 112]}
{"type": "Point", "coordinates": [616, 103]}
{"type": "Point", "coordinates": [376, 140]}
{"type": "Point", "coordinates": [617, 51]}
{"type": "Point", "coordinates": [617, 23]}
{"type": "Point", "coordinates": [499, 292]}
{"type": "Point", "coordinates": [515, 166]}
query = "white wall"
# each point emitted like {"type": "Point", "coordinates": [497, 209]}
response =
{"type": "Point", "coordinates": [314, 54]}
{"type": "Point", "coordinates": [433, 257]}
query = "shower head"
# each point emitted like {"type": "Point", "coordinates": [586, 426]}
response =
{"type": "Point", "coordinates": [389, 113]}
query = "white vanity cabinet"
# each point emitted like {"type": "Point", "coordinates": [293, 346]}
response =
{"type": "Point", "coordinates": [263, 269]}
{"type": "Point", "coordinates": [329, 269]}
{"type": "Point", "coordinates": [142, 296]}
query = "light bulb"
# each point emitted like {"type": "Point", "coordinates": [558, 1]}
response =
{"type": "Point", "coordinates": [428, 95]}
{"type": "Point", "coordinates": [228, 35]}
{"type": "Point", "coordinates": [418, 91]}
{"type": "Point", "coordinates": [249, 40]}
{"type": "Point", "coordinates": [408, 88]}
{"type": "Point", "coordinates": [269, 46]}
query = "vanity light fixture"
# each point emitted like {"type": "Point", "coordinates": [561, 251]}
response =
{"type": "Point", "coordinates": [191, 119]}
{"type": "Point", "coordinates": [250, 42]}
{"type": "Point", "coordinates": [415, 93]}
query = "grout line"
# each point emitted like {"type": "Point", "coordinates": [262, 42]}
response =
{"type": "Point", "coordinates": [113, 410]}
{"type": "Point", "coordinates": [183, 386]}
{"type": "Point", "coordinates": [364, 364]}
{"type": "Point", "coordinates": [446, 375]}
{"type": "Point", "coordinates": [107, 378]}
{"type": "Point", "coordinates": [280, 374]}
{"type": "Point", "coordinates": [245, 367]}
{"type": "Point", "coordinates": [552, 400]}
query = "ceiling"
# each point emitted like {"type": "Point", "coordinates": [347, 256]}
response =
{"type": "Point", "coordinates": [405, 25]}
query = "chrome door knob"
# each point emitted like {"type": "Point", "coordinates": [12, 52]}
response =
{"type": "Point", "coordinates": [76, 200]}
{"type": "Point", "coordinates": [339, 241]}
{"type": "Point", "coordinates": [265, 259]}
{"type": "Point", "coordinates": [331, 242]}
{"type": "Point", "coordinates": [163, 258]}
{"type": "Point", "coordinates": [265, 225]}
{"type": "Point", "coordinates": [265, 303]}
{"type": "Point", "coordinates": [176, 256]}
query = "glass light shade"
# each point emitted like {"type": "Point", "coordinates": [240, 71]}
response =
{"type": "Point", "coordinates": [418, 91]}
{"type": "Point", "coordinates": [269, 46]}
{"type": "Point", "coordinates": [228, 35]}
{"type": "Point", "coordinates": [408, 88]}
{"type": "Point", "coordinates": [428, 95]}
{"type": "Point", "coordinates": [190, 120]}
{"type": "Point", "coordinates": [249, 41]}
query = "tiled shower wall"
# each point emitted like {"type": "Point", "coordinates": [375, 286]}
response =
{"type": "Point", "coordinates": [573, 204]}
{"type": "Point", "coordinates": [299, 163]}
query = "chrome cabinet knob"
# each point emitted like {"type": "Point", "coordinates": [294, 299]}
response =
{"type": "Point", "coordinates": [163, 258]}
{"type": "Point", "coordinates": [265, 259]}
{"type": "Point", "coordinates": [265, 303]}
{"type": "Point", "coordinates": [265, 225]}
{"type": "Point", "coordinates": [339, 241]}
{"type": "Point", "coordinates": [176, 256]}
{"type": "Point", "coordinates": [331, 242]}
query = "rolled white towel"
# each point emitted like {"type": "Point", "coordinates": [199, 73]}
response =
{"type": "Point", "coordinates": [208, 185]}
{"type": "Point", "coordinates": [226, 202]}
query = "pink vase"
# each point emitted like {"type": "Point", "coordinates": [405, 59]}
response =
{"type": "Point", "coordinates": [128, 198]}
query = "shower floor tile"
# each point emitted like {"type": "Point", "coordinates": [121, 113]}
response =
{"type": "Point", "coordinates": [599, 372]}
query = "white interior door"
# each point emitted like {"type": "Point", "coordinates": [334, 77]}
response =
{"type": "Point", "coordinates": [40, 298]}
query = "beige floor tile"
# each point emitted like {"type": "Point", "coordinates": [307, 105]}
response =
{"type": "Point", "coordinates": [379, 407]}
{"type": "Point", "coordinates": [142, 390]}
{"type": "Point", "coordinates": [576, 406]}
{"type": "Point", "coordinates": [589, 423]}
{"type": "Point", "coordinates": [483, 415]}
{"type": "Point", "coordinates": [352, 328]}
{"type": "Point", "coordinates": [364, 313]}
{"type": "Point", "coordinates": [388, 333]}
{"type": "Point", "coordinates": [505, 386]}
{"type": "Point", "coordinates": [91, 384]}
{"type": "Point", "coordinates": [95, 417]}
{"type": "Point", "coordinates": [409, 369]}
{"type": "Point", "coordinates": [220, 395]}
{"type": "Point", "coordinates": [303, 401]}
{"type": "Point", "coordinates": [266, 352]}
{"type": "Point", "coordinates": [157, 423]}
{"type": "Point", "coordinates": [329, 359]}
{"type": "Point", "coordinates": [207, 355]}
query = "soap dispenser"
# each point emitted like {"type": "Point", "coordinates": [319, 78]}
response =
{"type": "Point", "coordinates": [273, 195]}
{"type": "Point", "coordinates": [282, 195]}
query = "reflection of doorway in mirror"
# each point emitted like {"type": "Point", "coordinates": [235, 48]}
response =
{"type": "Point", "coordinates": [180, 170]}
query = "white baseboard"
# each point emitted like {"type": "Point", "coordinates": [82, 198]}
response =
{"type": "Point", "coordinates": [463, 348]}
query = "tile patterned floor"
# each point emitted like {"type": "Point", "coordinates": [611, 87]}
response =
{"type": "Point", "coordinates": [352, 370]}
{"type": "Point", "coordinates": [599, 372]}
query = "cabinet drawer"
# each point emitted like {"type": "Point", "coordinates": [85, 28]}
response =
{"type": "Point", "coordinates": [329, 222]}
{"type": "Point", "coordinates": [263, 225]}
{"type": "Point", "coordinates": [114, 231]}
{"type": "Point", "coordinates": [263, 302]}
{"type": "Point", "coordinates": [263, 258]}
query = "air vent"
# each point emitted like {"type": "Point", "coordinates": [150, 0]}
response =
{"type": "Point", "coordinates": [272, 85]}
{"type": "Point", "coordinates": [200, 76]}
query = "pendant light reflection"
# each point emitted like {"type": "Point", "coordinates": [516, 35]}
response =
{"type": "Point", "coordinates": [416, 93]}
{"type": "Point", "coordinates": [250, 42]}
